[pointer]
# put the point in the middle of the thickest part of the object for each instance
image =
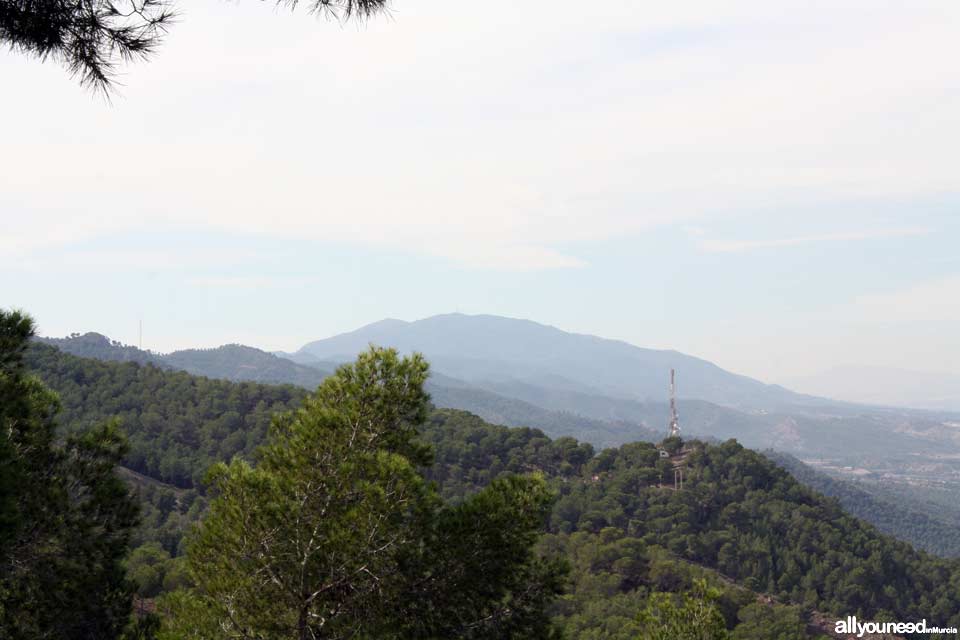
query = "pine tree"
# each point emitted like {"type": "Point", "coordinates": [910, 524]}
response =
{"type": "Point", "coordinates": [691, 616]}
{"type": "Point", "coordinates": [336, 534]}
{"type": "Point", "coordinates": [92, 36]}
{"type": "Point", "coordinates": [65, 517]}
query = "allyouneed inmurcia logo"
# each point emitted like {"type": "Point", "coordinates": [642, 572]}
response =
{"type": "Point", "coordinates": [852, 625]}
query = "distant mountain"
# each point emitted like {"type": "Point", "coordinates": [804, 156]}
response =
{"type": "Point", "coordinates": [608, 392]}
{"type": "Point", "coordinates": [500, 409]}
{"type": "Point", "coordinates": [230, 362]}
{"type": "Point", "coordinates": [885, 386]}
{"type": "Point", "coordinates": [907, 446]}
{"type": "Point", "coordinates": [495, 350]}
{"type": "Point", "coordinates": [238, 362]}
{"type": "Point", "coordinates": [309, 360]}
{"type": "Point", "coordinates": [100, 347]}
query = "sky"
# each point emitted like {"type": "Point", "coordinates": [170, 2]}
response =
{"type": "Point", "coordinates": [772, 186]}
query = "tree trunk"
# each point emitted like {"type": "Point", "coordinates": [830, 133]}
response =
{"type": "Point", "coordinates": [303, 632]}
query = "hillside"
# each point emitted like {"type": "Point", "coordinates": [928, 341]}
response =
{"type": "Point", "coordinates": [228, 362]}
{"type": "Point", "coordinates": [486, 348]}
{"type": "Point", "coordinates": [178, 424]}
{"type": "Point", "coordinates": [913, 450]}
{"type": "Point", "coordinates": [739, 517]}
{"type": "Point", "coordinates": [241, 363]}
{"type": "Point", "coordinates": [618, 519]}
{"type": "Point", "coordinates": [100, 347]}
{"type": "Point", "coordinates": [925, 527]}
{"type": "Point", "coordinates": [502, 409]}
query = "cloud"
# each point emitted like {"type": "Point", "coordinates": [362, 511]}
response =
{"type": "Point", "coordinates": [740, 246]}
{"type": "Point", "coordinates": [494, 139]}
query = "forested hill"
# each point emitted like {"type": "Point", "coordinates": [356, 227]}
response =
{"type": "Point", "coordinates": [100, 347]}
{"type": "Point", "coordinates": [239, 363]}
{"type": "Point", "coordinates": [228, 362]}
{"type": "Point", "coordinates": [739, 514]}
{"type": "Point", "coordinates": [624, 529]}
{"type": "Point", "coordinates": [888, 513]}
{"type": "Point", "coordinates": [178, 424]}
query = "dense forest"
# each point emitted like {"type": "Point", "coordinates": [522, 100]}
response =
{"type": "Point", "coordinates": [889, 512]}
{"type": "Point", "coordinates": [229, 362]}
{"type": "Point", "coordinates": [739, 514]}
{"type": "Point", "coordinates": [763, 550]}
{"type": "Point", "coordinates": [177, 424]}
{"type": "Point", "coordinates": [241, 363]}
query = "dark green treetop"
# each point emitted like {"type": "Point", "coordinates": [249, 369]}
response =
{"type": "Point", "coordinates": [336, 534]}
{"type": "Point", "coordinates": [65, 517]}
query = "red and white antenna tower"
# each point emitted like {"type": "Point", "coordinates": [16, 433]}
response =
{"type": "Point", "coordinates": [674, 418]}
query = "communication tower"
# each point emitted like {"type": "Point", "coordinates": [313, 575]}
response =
{"type": "Point", "coordinates": [674, 418]}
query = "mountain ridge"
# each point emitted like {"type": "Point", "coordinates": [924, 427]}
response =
{"type": "Point", "coordinates": [239, 363]}
{"type": "Point", "coordinates": [909, 448]}
{"type": "Point", "coordinates": [472, 347]}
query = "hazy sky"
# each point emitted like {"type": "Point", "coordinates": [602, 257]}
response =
{"type": "Point", "coordinates": [773, 186]}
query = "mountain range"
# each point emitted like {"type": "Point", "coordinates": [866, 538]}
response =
{"type": "Point", "coordinates": [242, 363]}
{"type": "Point", "coordinates": [748, 528]}
{"type": "Point", "coordinates": [607, 392]}
{"type": "Point", "coordinates": [495, 351]}
{"type": "Point", "coordinates": [887, 451]}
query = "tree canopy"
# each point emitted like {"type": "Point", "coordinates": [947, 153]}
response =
{"type": "Point", "coordinates": [335, 533]}
{"type": "Point", "coordinates": [65, 517]}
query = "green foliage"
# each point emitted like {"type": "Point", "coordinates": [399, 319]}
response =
{"type": "Point", "coordinates": [927, 527]}
{"type": "Point", "coordinates": [178, 425]}
{"type": "Point", "coordinates": [240, 363]}
{"type": "Point", "coordinates": [776, 622]}
{"type": "Point", "coordinates": [672, 444]}
{"type": "Point", "coordinates": [100, 347]}
{"type": "Point", "coordinates": [741, 523]}
{"type": "Point", "coordinates": [65, 516]}
{"type": "Point", "coordinates": [691, 616]}
{"type": "Point", "coordinates": [745, 518]}
{"type": "Point", "coordinates": [26, 417]}
{"type": "Point", "coordinates": [335, 534]}
{"type": "Point", "coordinates": [477, 576]}
{"type": "Point", "coordinates": [470, 453]}
{"type": "Point", "coordinates": [147, 566]}
{"type": "Point", "coordinates": [142, 627]}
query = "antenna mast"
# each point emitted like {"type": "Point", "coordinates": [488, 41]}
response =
{"type": "Point", "coordinates": [674, 418]}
